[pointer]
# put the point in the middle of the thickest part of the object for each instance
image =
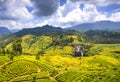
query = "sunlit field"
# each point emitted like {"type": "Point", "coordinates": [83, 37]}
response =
{"type": "Point", "coordinates": [102, 65]}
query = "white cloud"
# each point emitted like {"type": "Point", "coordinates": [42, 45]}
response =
{"type": "Point", "coordinates": [115, 17]}
{"type": "Point", "coordinates": [13, 13]}
{"type": "Point", "coordinates": [97, 2]}
{"type": "Point", "coordinates": [18, 16]}
{"type": "Point", "coordinates": [11, 24]}
{"type": "Point", "coordinates": [66, 17]}
{"type": "Point", "coordinates": [15, 10]}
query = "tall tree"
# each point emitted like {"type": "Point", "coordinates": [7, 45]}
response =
{"type": "Point", "coordinates": [17, 47]}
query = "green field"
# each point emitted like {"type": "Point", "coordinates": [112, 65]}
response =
{"type": "Point", "coordinates": [102, 66]}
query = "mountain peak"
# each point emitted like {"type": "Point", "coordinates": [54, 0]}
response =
{"type": "Point", "coordinates": [39, 30]}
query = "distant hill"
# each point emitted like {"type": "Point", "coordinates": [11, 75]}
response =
{"type": "Point", "coordinates": [39, 30]}
{"type": "Point", "coordinates": [102, 36]}
{"type": "Point", "coordinates": [100, 25]}
{"type": "Point", "coordinates": [14, 30]}
{"type": "Point", "coordinates": [4, 30]}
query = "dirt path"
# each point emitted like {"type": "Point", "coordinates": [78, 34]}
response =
{"type": "Point", "coordinates": [26, 75]}
{"type": "Point", "coordinates": [4, 64]}
{"type": "Point", "coordinates": [39, 70]}
{"type": "Point", "coordinates": [22, 76]}
{"type": "Point", "coordinates": [52, 78]}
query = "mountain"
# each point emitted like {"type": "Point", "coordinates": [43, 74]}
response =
{"type": "Point", "coordinates": [100, 25]}
{"type": "Point", "coordinates": [14, 30]}
{"type": "Point", "coordinates": [39, 30]}
{"type": "Point", "coordinates": [4, 30]}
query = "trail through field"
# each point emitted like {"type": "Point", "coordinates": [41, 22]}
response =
{"type": "Point", "coordinates": [22, 76]}
{"type": "Point", "coordinates": [26, 75]}
{"type": "Point", "coordinates": [52, 78]}
{"type": "Point", "coordinates": [38, 68]}
{"type": "Point", "coordinates": [4, 64]}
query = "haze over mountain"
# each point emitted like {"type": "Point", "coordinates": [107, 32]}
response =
{"type": "Point", "coordinates": [4, 30]}
{"type": "Point", "coordinates": [100, 25]}
{"type": "Point", "coordinates": [14, 30]}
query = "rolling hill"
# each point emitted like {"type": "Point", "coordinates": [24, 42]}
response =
{"type": "Point", "coordinates": [56, 62]}
{"type": "Point", "coordinates": [100, 25]}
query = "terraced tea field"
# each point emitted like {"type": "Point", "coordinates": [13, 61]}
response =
{"type": "Point", "coordinates": [24, 70]}
{"type": "Point", "coordinates": [103, 66]}
{"type": "Point", "coordinates": [89, 76]}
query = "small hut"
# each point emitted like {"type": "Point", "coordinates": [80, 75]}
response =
{"type": "Point", "coordinates": [78, 50]}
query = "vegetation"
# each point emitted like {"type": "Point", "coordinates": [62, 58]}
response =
{"type": "Point", "coordinates": [49, 58]}
{"type": "Point", "coordinates": [99, 36]}
{"type": "Point", "coordinates": [58, 67]}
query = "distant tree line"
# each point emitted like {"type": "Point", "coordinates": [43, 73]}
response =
{"type": "Point", "coordinates": [99, 36]}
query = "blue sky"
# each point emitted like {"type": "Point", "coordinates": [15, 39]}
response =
{"type": "Point", "coordinates": [62, 2]}
{"type": "Point", "coordinates": [18, 14]}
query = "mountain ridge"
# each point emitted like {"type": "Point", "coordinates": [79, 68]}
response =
{"type": "Point", "coordinates": [99, 25]}
{"type": "Point", "coordinates": [4, 30]}
{"type": "Point", "coordinates": [39, 30]}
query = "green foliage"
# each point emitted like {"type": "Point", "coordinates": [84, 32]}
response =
{"type": "Point", "coordinates": [89, 76]}
{"type": "Point", "coordinates": [48, 58]}
{"type": "Point", "coordinates": [37, 57]}
{"type": "Point", "coordinates": [2, 51]}
{"type": "Point", "coordinates": [62, 40]}
{"type": "Point", "coordinates": [11, 57]}
{"type": "Point", "coordinates": [34, 79]}
{"type": "Point", "coordinates": [17, 47]}
{"type": "Point", "coordinates": [100, 36]}
{"type": "Point", "coordinates": [40, 45]}
{"type": "Point", "coordinates": [3, 59]}
{"type": "Point", "coordinates": [93, 51]}
{"type": "Point", "coordinates": [17, 68]}
{"type": "Point", "coordinates": [64, 68]}
{"type": "Point", "coordinates": [60, 50]}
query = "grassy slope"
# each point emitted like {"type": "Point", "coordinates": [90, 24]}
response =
{"type": "Point", "coordinates": [32, 44]}
{"type": "Point", "coordinates": [57, 64]}
{"type": "Point", "coordinates": [99, 68]}
{"type": "Point", "coordinates": [50, 68]}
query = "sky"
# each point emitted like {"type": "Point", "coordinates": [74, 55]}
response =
{"type": "Point", "coordinates": [18, 14]}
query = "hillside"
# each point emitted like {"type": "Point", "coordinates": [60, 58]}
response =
{"type": "Point", "coordinates": [103, 65]}
{"type": "Point", "coordinates": [49, 56]}
{"type": "Point", "coordinates": [100, 25]}
{"type": "Point", "coordinates": [4, 30]}
{"type": "Point", "coordinates": [40, 30]}
{"type": "Point", "coordinates": [102, 36]}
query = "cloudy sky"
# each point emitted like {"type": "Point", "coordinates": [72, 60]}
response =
{"type": "Point", "coordinates": [18, 14]}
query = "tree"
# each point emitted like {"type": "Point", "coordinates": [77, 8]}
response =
{"type": "Point", "coordinates": [12, 55]}
{"type": "Point", "coordinates": [37, 57]}
{"type": "Point", "coordinates": [17, 47]}
{"type": "Point", "coordinates": [34, 79]}
{"type": "Point", "coordinates": [71, 39]}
